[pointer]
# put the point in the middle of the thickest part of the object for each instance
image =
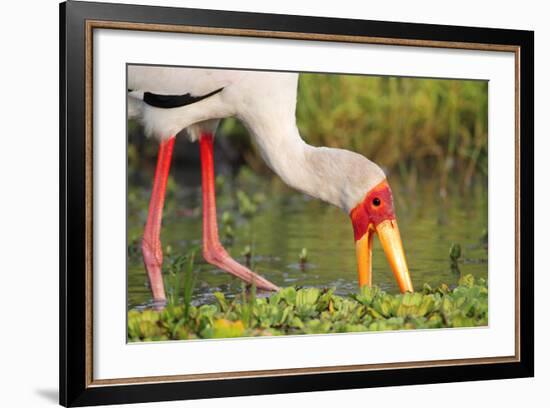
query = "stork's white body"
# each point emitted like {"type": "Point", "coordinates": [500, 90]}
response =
{"type": "Point", "coordinates": [265, 102]}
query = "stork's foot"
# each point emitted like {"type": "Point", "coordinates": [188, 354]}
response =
{"type": "Point", "coordinates": [217, 255]}
{"type": "Point", "coordinates": [152, 258]}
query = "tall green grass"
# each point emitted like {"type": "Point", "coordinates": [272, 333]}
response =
{"type": "Point", "coordinates": [406, 124]}
{"type": "Point", "coordinates": [179, 279]}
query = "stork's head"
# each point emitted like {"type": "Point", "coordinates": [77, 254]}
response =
{"type": "Point", "coordinates": [369, 202]}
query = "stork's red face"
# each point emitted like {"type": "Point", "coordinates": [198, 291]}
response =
{"type": "Point", "coordinates": [375, 214]}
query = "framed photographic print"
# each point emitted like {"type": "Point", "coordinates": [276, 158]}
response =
{"type": "Point", "coordinates": [255, 203]}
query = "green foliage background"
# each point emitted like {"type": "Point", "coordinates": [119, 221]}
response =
{"type": "Point", "coordinates": [409, 125]}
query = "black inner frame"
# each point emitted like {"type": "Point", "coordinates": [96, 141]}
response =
{"type": "Point", "coordinates": [73, 391]}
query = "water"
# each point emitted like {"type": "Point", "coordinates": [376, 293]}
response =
{"type": "Point", "coordinates": [287, 221]}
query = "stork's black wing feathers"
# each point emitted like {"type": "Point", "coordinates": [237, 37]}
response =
{"type": "Point", "coordinates": [174, 101]}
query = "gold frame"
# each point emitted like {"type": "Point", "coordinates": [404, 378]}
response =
{"type": "Point", "coordinates": [99, 24]}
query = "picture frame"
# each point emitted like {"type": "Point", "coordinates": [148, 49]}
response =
{"type": "Point", "coordinates": [79, 21]}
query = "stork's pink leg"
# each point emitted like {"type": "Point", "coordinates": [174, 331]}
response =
{"type": "Point", "coordinates": [150, 245]}
{"type": "Point", "coordinates": [213, 251]}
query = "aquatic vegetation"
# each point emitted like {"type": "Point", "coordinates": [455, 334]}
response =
{"type": "Point", "coordinates": [247, 253]}
{"type": "Point", "coordinates": [220, 181]}
{"type": "Point", "coordinates": [303, 259]}
{"type": "Point", "coordinates": [227, 219]}
{"type": "Point", "coordinates": [303, 256]}
{"type": "Point", "coordinates": [293, 311]}
{"type": "Point", "coordinates": [179, 276]}
{"type": "Point", "coordinates": [455, 252]}
{"type": "Point", "coordinates": [247, 207]}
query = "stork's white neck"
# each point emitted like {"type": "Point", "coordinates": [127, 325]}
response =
{"type": "Point", "coordinates": [339, 177]}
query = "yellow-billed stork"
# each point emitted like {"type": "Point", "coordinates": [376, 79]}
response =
{"type": "Point", "coordinates": [167, 100]}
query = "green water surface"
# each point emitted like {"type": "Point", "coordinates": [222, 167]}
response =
{"type": "Point", "coordinates": [287, 221]}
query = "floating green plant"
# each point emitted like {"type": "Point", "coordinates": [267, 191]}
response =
{"type": "Point", "coordinates": [292, 311]}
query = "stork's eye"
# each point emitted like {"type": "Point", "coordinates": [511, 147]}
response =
{"type": "Point", "coordinates": [376, 202]}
